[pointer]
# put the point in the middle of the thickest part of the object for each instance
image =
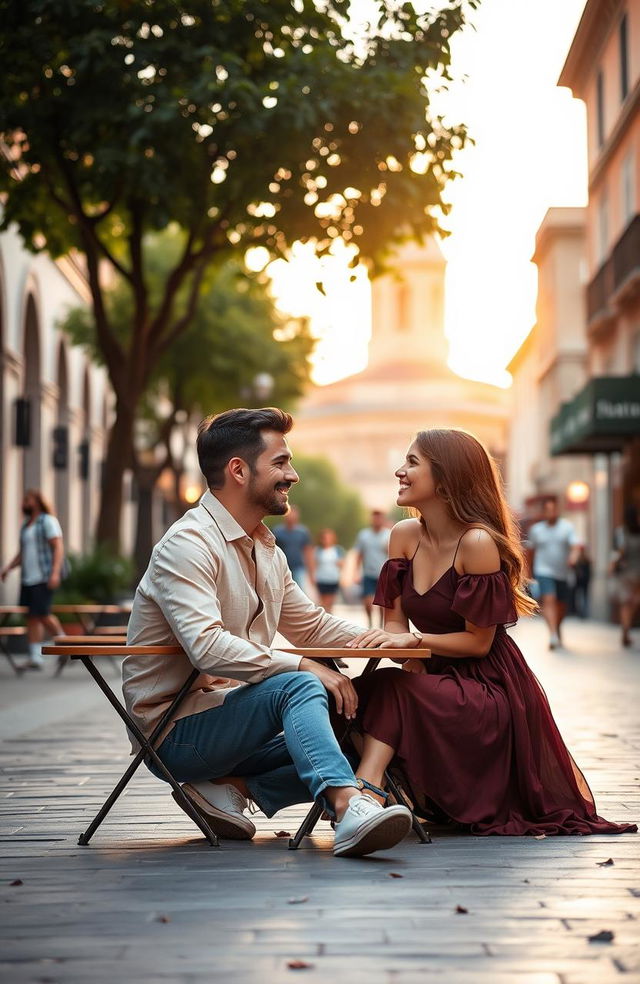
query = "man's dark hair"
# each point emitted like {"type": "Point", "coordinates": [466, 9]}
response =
{"type": "Point", "coordinates": [236, 434]}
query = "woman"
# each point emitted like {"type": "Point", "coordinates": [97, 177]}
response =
{"type": "Point", "coordinates": [40, 558]}
{"type": "Point", "coordinates": [626, 568]}
{"type": "Point", "coordinates": [329, 558]}
{"type": "Point", "coordinates": [472, 730]}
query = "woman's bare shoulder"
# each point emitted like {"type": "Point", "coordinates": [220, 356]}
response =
{"type": "Point", "coordinates": [405, 536]}
{"type": "Point", "coordinates": [479, 552]}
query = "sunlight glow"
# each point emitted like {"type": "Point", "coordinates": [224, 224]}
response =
{"type": "Point", "coordinates": [529, 155]}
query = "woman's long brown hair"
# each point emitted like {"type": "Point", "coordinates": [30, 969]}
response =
{"type": "Point", "coordinates": [469, 482]}
{"type": "Point", "coordinates": [43, 504]}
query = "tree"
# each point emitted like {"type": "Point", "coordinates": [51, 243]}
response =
{"type": "Point", "coordinates": [235, 337]}
{"type": "Point", "coordinates": [324, 501]}
{"type": "Point", "coordinates": [246, 123]}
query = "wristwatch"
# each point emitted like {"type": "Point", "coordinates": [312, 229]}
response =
{"type": "Point", "coordinates": [418, 636]}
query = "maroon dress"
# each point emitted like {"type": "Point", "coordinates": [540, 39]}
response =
{"type": "Point", "coordinates": [476, 735]}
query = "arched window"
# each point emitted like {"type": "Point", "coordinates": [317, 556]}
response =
{"type": "Point", "coordinates": [32, 462]}
{"type": "Point", "coordinates": [61, 441]}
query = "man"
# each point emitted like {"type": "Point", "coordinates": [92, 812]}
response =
{"type": "Point", "coordinates": [294, 540]}
{"type": "Point", "coordinates": [372, 544]}
{"type": "Point", "coordinates": [256, 724]}
{"type": "Point", "coordinates": [554, 548]}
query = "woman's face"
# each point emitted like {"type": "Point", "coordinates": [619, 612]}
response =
{"type": "Point", "coordinates": [416, 479]}
{"type": "Point", "coordinates": [28, 505]}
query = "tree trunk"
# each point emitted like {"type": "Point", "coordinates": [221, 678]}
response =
{"type": "Point", "coordinates": [146, 479]}
{"type": "Point", "coordinates": [119, 458]}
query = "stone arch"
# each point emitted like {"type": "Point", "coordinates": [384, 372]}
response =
{"type": "Point", "coordinates": [61, 455]}
{"type": "Point", "coordinates": [32, 393]}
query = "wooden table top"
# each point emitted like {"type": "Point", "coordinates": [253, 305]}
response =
{"type": "Point", "coordinates": [69, 609]}
{"type": "Point", "coordinates": [109, 649]}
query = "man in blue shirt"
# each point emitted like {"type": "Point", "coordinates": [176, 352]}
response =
{"type": "Point", "coordinates": [294, 540]}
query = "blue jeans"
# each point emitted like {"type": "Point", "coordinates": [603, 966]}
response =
{"type": "Point", "coordinates": [276, 734]}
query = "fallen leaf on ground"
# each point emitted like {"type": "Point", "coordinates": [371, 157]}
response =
{"type": "Point", "coordinates": [282, 833]}
{"type": "Point", "coordinates": [526, 881]}
{"type": "Point", "coordinates": [299, 965]}
{"type": "Point", "coordinates": [539, 837]}
{"type": "Point", "coordinates": [17, 881]}
{"type": "Point", "coordinates": [461, 910]}
{"type": "Point", "coordinates": [604, 936]}
{"type": "Point", "coordinates": [162, 918]}
{"type": "Point", "coordinates": [395, 874]}
{"type": "Point", "coordinates": [298, 901]}
{"type": "Point", "coordinates": [605, 864]}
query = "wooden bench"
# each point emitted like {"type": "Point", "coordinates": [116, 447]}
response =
{"type": "Point", "coordinates": [87, 648]}
{"type": "Point", "coordinates": [11, 632]}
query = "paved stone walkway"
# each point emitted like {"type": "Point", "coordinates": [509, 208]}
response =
{"type": "Point", "coordinates": [148, 901]}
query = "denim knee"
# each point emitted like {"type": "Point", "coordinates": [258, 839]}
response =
{"type": "Point", "coordinates": [308, 683]}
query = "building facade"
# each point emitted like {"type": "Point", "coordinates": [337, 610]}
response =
{"type": "Point", "coordinates": [548, 368]}
{"type": "Point", "coordinates": [364, 423]}
{"type": "Point", "coordinates": [602, 417]}
{"type": "Point", "coordinates": [54, 403]}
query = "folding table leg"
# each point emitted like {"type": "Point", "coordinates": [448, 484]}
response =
{"type": "Point", "coordinates": [423, 835]}
{"type": "Point", "coordinates": [306, 827]}
{"type": "Point", "coordinates": [146, 748]}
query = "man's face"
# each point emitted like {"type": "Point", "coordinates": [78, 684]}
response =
{"type": "Point", "coordinates": [377, 521]}
{"type": "Point", "coordinates": [550, 511]}
{"type": "Point", "coordinates": [272, 476]}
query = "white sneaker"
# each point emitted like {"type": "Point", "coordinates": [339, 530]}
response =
{"type": "Point", "coordinates": [222, 806]}
{"type": "Point", "coordinates": [367, 826]}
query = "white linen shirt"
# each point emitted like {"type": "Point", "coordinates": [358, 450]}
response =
{"type": "Point", "coordinates": [222, 595]}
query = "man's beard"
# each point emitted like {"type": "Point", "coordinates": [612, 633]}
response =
{"type": "Point", "coordinates": [270, 499]}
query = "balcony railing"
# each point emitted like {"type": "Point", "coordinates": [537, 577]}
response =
{"type": "Point", "coordinates": [599, 290]}
{"type": "Point", "coordinates": [626, 255]}
{"type": "Point", "coordinates": [621, 270]}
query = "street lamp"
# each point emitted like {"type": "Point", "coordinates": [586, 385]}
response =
{"type": "Point", "coordinates": [263, 385]}
{"type": "Point", "coordinates": [577, 494]}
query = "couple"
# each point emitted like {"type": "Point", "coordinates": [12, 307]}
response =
{"type": "Point", "coordinates": [472, 731]}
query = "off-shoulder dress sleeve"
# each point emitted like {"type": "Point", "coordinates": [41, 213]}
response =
{"type": "Point", "coordinates": [485, 599]}
{"type": "Point", "coordinates": [391, 581]}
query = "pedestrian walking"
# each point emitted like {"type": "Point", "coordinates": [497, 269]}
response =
{"type": "Point", "coordinates": [40, 559]}
{"type": "Point", "coordinates": [294, 539]}
{"type": "Point", "coordinates": [371, 547]}
{"type": "Point", "coordinates": [625, 567]}
{"type": "Point", "coordinates": [472, 729]}
{"type": "Point", "coordinates": [553, 546]}
{"type": "Point", "coordinates": [582, 580]}
{"type": "Point", "coordinates": [329, 558]}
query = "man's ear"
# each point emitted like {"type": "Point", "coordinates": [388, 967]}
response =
{"type": "Point", "coordinates": [238, 471]}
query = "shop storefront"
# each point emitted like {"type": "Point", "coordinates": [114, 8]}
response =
{"type": "Point", "coordinates": [603, 420]}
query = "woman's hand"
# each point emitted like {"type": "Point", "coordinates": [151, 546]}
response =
{"type": "Point", "coordinates": [379, 639]}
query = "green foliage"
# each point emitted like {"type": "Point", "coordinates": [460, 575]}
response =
{"type": "Point", "coordinates": [230, 118]}
{"type": "Point", "coordinates": [244, 123]}
{"type": "Point", "coordinates": [98, 577]}
{"type": "Point", "coordinates": [236, 333]}
{"type": "Point", "coordinates": [324, 501]}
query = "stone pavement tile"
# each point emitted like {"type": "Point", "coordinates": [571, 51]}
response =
{"type": "Point", "coordinates": [531, 903]}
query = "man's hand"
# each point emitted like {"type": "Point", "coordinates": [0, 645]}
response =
{"type": "Point", "coordinates": [54, 581]}
{"type": "Point", "coordinates": [339, 686]}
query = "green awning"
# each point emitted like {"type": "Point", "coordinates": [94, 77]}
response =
{"type": "Point", "coordinates": [603, 417]}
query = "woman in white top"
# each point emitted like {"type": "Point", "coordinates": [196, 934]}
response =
{"type": "Point", "coordinates": [40, 559]}
{"type": "Point", "coordinates": [329, 558]}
